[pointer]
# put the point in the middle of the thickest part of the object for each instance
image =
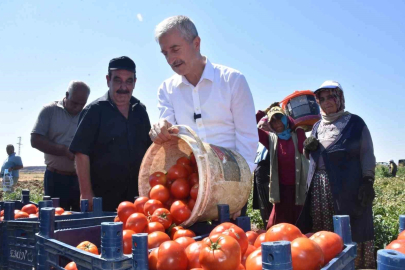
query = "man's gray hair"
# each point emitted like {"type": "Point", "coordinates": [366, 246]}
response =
{"type": "Point", "coordinates": [78, 85]}
{"type": "Point", "coordinates": [182, 23]}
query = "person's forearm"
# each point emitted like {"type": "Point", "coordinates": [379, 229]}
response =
{"type": "Point", "coordinates": [44, 145]}
{"type": "Point", "coordinates": [83, 173]}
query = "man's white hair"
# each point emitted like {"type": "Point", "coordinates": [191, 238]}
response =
{"type": "Point", "coordinates": [182, 23]}
{"type": "Point", "coordinates": [77, 85]}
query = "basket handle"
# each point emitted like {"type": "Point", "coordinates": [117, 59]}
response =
{"type": "Point", "coordinates": [187, 131]}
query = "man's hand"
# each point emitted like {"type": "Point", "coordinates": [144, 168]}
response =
{"type": "Point", "coordinates": [69, 154]}
{"type": "Point", "coordinates": [366, 192]}
{"type": "Point", "coordinates": [161, 131]}
{"type": "Point", "coordinates": [89, 196]}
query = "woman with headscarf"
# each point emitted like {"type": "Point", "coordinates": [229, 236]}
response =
{"type": "Point", "coordinates": [341, 173]}
{"type": "Point", "coordinates": [287, 167]}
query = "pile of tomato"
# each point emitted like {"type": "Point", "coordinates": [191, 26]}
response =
{"type": "Point", "coordinates": [398, 244]}
{"type": "Point", "coordinates": [31, 211]}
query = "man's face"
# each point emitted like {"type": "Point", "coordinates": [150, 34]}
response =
{"type": "Point", "coordinates": [180, 54]}
{"type": "Point", "coordinates": [9, 150]}
{"type": "Point", "coordinates": [75, 102]}
{"type": "Point", "coordinates": [121, 85]}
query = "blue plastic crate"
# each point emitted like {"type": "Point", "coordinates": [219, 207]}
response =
{"type": "Point", "coordinates": [391, 259]}
{"type": "Point", "coordinates": [21, 242]}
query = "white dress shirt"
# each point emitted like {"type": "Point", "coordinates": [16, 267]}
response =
{"type": "Point", "coordinates": [223, 98]}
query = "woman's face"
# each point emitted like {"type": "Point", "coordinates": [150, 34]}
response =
{"type": "Point", "coordinates": [327, 102]}
{"type": "Point", "coordinates": [276, 124]}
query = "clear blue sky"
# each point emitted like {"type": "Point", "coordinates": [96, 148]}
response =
{"type": "Point", "coordinates": [280, 46]}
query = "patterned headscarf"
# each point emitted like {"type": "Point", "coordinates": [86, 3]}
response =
{"type": "Point", "coordinates": [339, 100]}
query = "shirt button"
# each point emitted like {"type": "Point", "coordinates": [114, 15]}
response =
{"type": "Point", "coordinates": [197, 109]}
{"type": "Point", "coordinates": [296, 157]}
{"type": "Point", "coordinates": [195, 90]}
{"type": "Point", "coordinates": [298, 170]}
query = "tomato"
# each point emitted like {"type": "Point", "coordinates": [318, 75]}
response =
{"type": "Point", "coordinates": [71, 266]}
{"type": "Point", "coordinates": [306, 254]}
{"type": "Point", "coordinates": [117, 219]}
{"type": "Point", "coordinates": [183, 161]}
{"type": "Point", "coordinates": [401, 236]}
{"type": "Point", "coordinates": [193, 179]}
{"type": "Point", "coordinates": [1, 218]}
{"type": "Point", "coordinates": [32, 216]}
{"type": "Point", "coordinates": [137, 222]}
{"type": "Point", "coordinates": [398, 245]}
{"type": "Point", "coordinates": [157, 178]}
{"type": "Point", "coordinates": [155, 227]}
{"type": "Point", "coordinates": [151, 205]}
{"type": "Point", "coordinates": [59, 210]}
{"type": "Point", "coordinates": [194, 192]}
{"type": "Point", "coordinates": [21, 214]}
{"type": "Point", "coordinates": [152, 259]}
{"type": "Point", "coordinates": [251, 235]}
{"type": "Point", "coordinates": [330, 243]}
{"type": "Point", "coordinates": [182, 233]}
{"type": "Point", "coordinates": [2, 213]}
{"type": "Point", "coordinates": [171, 256]}
{"type": "Point", "coordinates": [240, 267]}
{"type": "Point", "coordinates": [169, 202]}
{"type": "Point", "coordinates": [180, 212]}
{"type": "Point", "coordinates": [16, 211]}
{"type": "Point", "coordinates": [173, 230]}
{"type": "Point", "coordinates": [125, 209]}
{"type": "Point", "coordinates": [282, 231]}
{"type": "Point", "coordinates": [155, 239]}
{"type": "Point", "coordinates": [185, 241]}
{"type": "Point", "coordinates": [177, 171]}
{"type": "Point", "coordinates": [89, 247]}
{"type": "Point", "coordinates": [193, 254]}
{"type": "Point", "coordinates": [192, 159]}
{"type": "Point", "coordinates": [163, 216]}
{"type": "Point", "coordinates": [180, 189]}
{"type": "Point", "coordinates": [140, 203]}
{"type": "Point", "coordinates": [127, 241]}
{"type": "Point", "coordinates": [222, 254]}
{"type": "Point", "coordinates": [249, 250]}
{"type": "Point", "coordinates": [259, 240]}
{"type": "Point", "coordinates": [191, 204]}
{"type": "Point", "coordinates": [233, 231]}
{"type": "Point", "coordinates": [254, 260]}
{"type": "Point", "coordinates": [160, 193]}
{"type": "Point", "coordinates": [66, 213]}
{"type": "Point", "coordinates": [29, 209]}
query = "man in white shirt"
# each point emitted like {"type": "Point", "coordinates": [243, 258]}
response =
{"type": "Point", "coordinates": [214, 100]}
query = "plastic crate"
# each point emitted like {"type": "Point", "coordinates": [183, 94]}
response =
{"type": "Point", "coordinates": [277, 255]}
{"type": "Point", "coordinates": [21, 242]}
{"type": "Point", "coordinates": [56, 248]}
{"type": "Point", "coordinates": [391, 259]}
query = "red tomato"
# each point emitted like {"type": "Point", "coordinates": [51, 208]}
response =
{"type": "Point", "coordinates": [191, 204]}
{"type": "Point", "coordinates": [157, 178]}
{"type": "Point", "coordinates": [2, 213]}
{"type": "Point", "coordinates": [71, 266]}
{"type": "Point", "coordinates": [193, 179]}
{"type": "Point", "coordinates": [194, 192]}
{"type": "Point", "coordinates": [233, 231]}
{"type": "Point", "coordinates": [185, 241]}
{"type": "Point", "coordinates": [251, 235]}
{"type": "Point", "coordinates": [137, 222]}
{"type": "Point", "coordinates": [140, 203]}
{"type": "Point", "coordinates": [89, 247]}
{"type": "Point", "coordinates": [222, 254]}
{"type": "Point", "coordinates": [21, 214]}
{"type": "Point", "coordinates": [169, 202]}
{"type": "Point", "coordinates": [398, 245]}
{"type": "Point", "coordinates": [173, 230]}
{"type": "Point", "coordinates": [306, 254]}
{"type": "Point", "coordinates": [180, 189]}
{"type": "Point", "coordinates": [283, 231]}
{"type": "Point", "coordinates": [163, 216]}
{"type": "Point", "coordinates": [59, 210]}
{"type": "Point", "coordinates": [193, 254]}
{"type": "Point", "coordinates": [117, 219]}
{"type": "Point", "coordinates": [241, 267]}
{"type": "Point", "coordinates": [33, 216]}
{"type": "Point", "coordinates": [155, 227]}
{"type": "Point", "coordinates": [183, 233]}
{"type": "Point", "coordinates": [66, 213]}
{"type": "Point", "coordinates": [259, 240]}
{"type": "Point", "coordinates": [160, 193]}
{"type": "Point", "coordinates": [177, 171]}
{"type": "Point", "coordinates": [249, 250]}
{"type": "Point", "coordinates": [180, 212]}
{"type": "Point", "coordinates": [254, 260]}
{"type": "Point", "coordinates": [171, 256]}
{"type": "Point", "coordinates": [183, 161]}
{"type": "Point", "coordinates": [192, 159]}
{"type": "Point", "coordinates": [29, 209]}
{"type": "Point", "coordinates": [401, 236]}
{"type": "Point", "coordinates": [151, 205]}
{"type": "Point", "coordinates": [155, 239]}
{"type": "Point", "coordinates": [125, 209]}
{"type": "Point", "coordinates": [152, 259]}
{"type": "Point", "coordinates": [330, 243]}
{"type": "Point", "coordinates": [127, 241]}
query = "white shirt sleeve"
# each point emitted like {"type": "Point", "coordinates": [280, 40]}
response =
{"type": "Point", "coordinates": [243, 111]}
{"type": "Point", "coordinates": [166, 110]}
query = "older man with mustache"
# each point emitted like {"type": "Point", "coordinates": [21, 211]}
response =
{"type": "Point", "coordinates": [111, 139]}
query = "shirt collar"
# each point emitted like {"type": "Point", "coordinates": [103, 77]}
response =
{"type": "Point", "coordinates": [208, 74]}
{"type": "Point", "coordinates": [12, 154]}
{"type": "Point", "coordinates": [60, 104]}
